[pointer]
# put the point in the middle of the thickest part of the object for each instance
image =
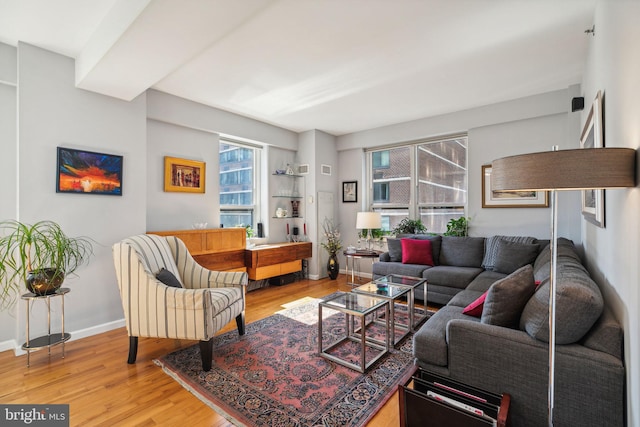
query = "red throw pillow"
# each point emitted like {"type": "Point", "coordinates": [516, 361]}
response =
{"type": "Point", "coordinates": [416, 251]}
{"type": "Point", "coordinates": [475, 308]}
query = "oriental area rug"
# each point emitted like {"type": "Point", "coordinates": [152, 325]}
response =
{"type": "Point", "coordinates": [273, 375]}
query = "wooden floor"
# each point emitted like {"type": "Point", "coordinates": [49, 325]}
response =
{"type": "Point", "coordinates": [103, 390]}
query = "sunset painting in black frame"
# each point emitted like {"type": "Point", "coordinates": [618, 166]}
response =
{"type": "Point", "coordinates": [87, 172]}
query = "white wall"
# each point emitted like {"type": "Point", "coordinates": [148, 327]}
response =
{"type": "Point", "coordinates": [8, 135]}
{"type": "Point", "coordinates": [179, 211]}
{"type": "Point", "coordinates": [51, 113]}
{"type": "Point", "coordinates": [612, 253]}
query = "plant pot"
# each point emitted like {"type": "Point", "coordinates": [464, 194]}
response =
{"type": "Point", "coordinates": [45, 281]}
{"type": "Point", "coordinates": [333, 268]}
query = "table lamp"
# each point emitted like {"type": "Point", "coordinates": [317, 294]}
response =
{"type": "Point", "coordinates": [577, 169]}
{"type": "Point", "coordinates": [368, 221]}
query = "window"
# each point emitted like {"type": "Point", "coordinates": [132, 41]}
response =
{"type": "Point", "coordinates": [239, 187]}
{"type": "Point", "coordinates": [426, 179]}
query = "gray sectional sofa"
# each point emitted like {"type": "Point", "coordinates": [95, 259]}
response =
{"type": "Point", "coordinates": [504, 348]}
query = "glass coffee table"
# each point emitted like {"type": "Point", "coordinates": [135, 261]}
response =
{"type": "Point", "coordinates": [355, 306]}
{"type": "Point", "coordinates": [412, 283]}
{"type": "Point", "coordinates": [391, 293]}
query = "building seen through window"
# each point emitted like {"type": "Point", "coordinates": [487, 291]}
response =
{"type": "Point", "coordinates": [424, 179]}
{"type": "Point", "coordinates": [238, 184]}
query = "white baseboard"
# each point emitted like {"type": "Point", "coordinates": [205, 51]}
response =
{"type": "Point", "coordinates": [75, 335]}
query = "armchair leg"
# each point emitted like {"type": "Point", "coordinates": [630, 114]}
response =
{"type": "Point", "coordinates": [133, 350]}
{"type": "Point", "coordinates": [240, 323]}
{"type": "Point", "coordinates": [206, 354]}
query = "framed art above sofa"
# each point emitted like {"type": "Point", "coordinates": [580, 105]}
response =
{"type": "Point", "coordinates": [510, 199]}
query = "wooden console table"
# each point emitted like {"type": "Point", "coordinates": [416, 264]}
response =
{"type": "Point", "coordinates": [276, 259]}
{"type": "Point", "coordinates": [218, 249]}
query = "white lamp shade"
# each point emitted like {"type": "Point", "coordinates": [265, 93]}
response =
{"type": "Point", "coordinates": [368, 220]}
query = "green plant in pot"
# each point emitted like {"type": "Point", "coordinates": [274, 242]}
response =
{"type": "Point", "coordinates": [409, 226]}
{"type": "Point", "coordinates": [458, 227]}
{"type": "Point", "coordinates": [39, 256]}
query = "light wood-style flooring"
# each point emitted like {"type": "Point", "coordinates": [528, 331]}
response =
{"type": "Point", "coordinates": [103, 390]}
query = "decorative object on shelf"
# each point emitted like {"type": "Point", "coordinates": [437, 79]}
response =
{"type": "Point", "coordinates": [289, 170]}
{"type": "Point", "coordinates": [86, 172]}
{"type": "Point", "coordinates": [281, 213]}
{"type": "Point", "coordinates": [332, 245]}
{"type": "Point", "coordinates": [280, 172]}
{"type": "Point", "coordinates": [40, 256]}
{"type": "Point", "coordinates": [295, 206]}
{"type": "Point", "coordinates": [492, 198]}
{"type": "Point", "coordinates": [349, 191]}
{"type": "Point", "coordinates": [182, 175]}
{"type": "Point", "coordinates": [458, 227]}
{"type": "Point", "coordinates": [409, 226]}
{"type": "Point", "coordinates": [368, 221]}
{"type": "Point", "coordinates": [592, 137]}
{"type": "Point", "coordinates": [579, 169]}
{"type": "Point", "coordinates": [303, 169]}
{"type": "Point", "coordinates": [199, 225]}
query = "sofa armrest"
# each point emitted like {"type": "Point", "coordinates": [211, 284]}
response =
{"type": "Point", "coordinates": [589, 384]}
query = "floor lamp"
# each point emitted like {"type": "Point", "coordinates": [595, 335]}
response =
{"type": "Point", "coordinates": [580, 169]}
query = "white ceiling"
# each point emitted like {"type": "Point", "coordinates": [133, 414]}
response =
{"type": "Point", "coordinates": [335, 65]}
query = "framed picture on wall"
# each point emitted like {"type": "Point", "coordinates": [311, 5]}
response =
{"type": "Point", "coordinates": [510, 199]}
{"type": "Point", "coordinates": [184, 176]}
{"type": "Point", "coordinates": [592, 137]}
{"type": "Point", "coordinates": [349, 191]}
{"type": "Point", "coordinates": [88, 172]}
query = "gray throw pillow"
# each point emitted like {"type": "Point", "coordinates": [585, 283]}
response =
{"type": "Point", "coordinates": [167, 277]}
{"type": "Point", "coordinates": [491, 248]}
{"type": "Point", "coordinates": [394, 247]}
{"type": "Point", "coordinates": [507, 297]}
{"type": "Point", "coordinates": [510, 256]}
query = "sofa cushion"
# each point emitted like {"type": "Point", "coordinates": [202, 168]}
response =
{"type": "Point", "coordinates": [510, 256]}
{"type": "Point", "coordinates": [416, 251]}
{"type": "Point", "coordinates": [385, 268]}
{"type": "Point", "coordinates": [430, 342]}
{"type": "Point", "coordinates": [436, 243]}
{"type": "Point", "coordinates": [491, 248]}
{"type": "Point", "coordinates": [476, 307]}
{"type": "Point", "coordinates": [485, 279]}
{"type": "Point", "coordinates": [462, 251]}
{"type": "Point", "coordinates": [578, 305]}
{"type": "Point", "coordinates": [507, 297]}
{"type": "Point", "coordinates": [451, 276]}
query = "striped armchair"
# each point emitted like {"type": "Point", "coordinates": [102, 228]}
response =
{"type": "Point", "coordinates": [206, 301]}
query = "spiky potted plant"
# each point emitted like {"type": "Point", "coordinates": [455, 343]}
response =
{"type": "Point", "coordinates": [38, 256]}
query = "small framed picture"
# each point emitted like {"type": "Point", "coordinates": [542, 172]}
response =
{"type": "Point", "coordinates": [182, 175]}
{"type": "Point", "coordinates": [510, 199]}
{"type": "Point", "coordinates": [349, 191]}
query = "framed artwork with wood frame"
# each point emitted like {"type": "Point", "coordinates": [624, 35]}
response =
{"type": "Point", "coordinates": [183, 175]}
{"type": "Point", "coordinates": [510, 199]}
{"type": "Point", "coordinates": [592, 137]}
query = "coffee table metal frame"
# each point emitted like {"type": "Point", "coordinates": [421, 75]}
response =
{"type": "Point", "coordinates": [391, 293]}
{"type": "Point", "coordinates": [413, 283]}
{"type": "Point", "coordinates": [351, 305]}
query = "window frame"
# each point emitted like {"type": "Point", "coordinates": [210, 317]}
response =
{"type": "Point", "coordinates": [254, 207]}
{"type": "Point", "coordinates": [414, 207]}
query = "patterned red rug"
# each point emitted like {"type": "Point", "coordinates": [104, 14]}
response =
{"type": "Point", "coordinates": [273, 376]}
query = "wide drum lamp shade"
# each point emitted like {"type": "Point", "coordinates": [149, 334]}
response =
{"type": "Point", "coordinates": [579, 169]}
{"type": "Point", "coordinates": [368, 220]}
